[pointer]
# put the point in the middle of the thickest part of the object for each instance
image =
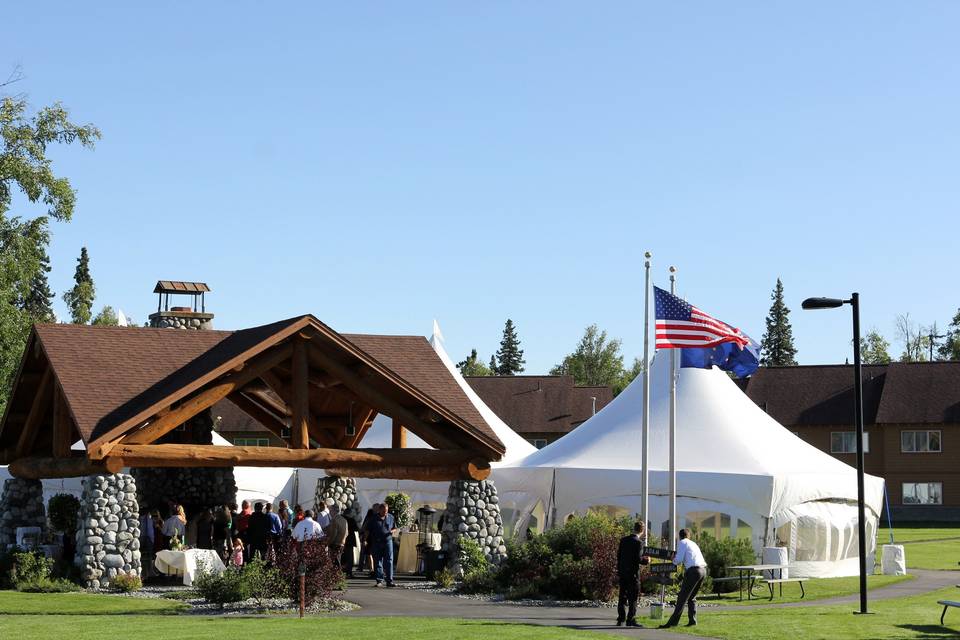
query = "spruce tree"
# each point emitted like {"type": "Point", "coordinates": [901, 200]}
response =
{"type": "Point", "coordinates": [80, 297]}
{"type": "Point", "coordinates": [510, 355]}
{"type": "Point", "coordinates": [777, 345]}
{"type": "Point", "coordinates": [493, 366]}
{"type": "Point", "coordinates": [950, 348]}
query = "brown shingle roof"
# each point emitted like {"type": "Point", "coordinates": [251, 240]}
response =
{"type": "Point", "coordinates": [539, 404]}
{"type": "Point", "coordinates": [114, 376]}
{"type": "Point", "coordinates": [823, 394]}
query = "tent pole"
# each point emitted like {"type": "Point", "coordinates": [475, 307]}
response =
{"type": "Point", "coordinates": [673, 429]}
{"type": "Point", "coordinates": [645, 451]}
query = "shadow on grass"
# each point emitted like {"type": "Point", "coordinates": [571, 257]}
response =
{"type": "Point", "coordinates": [931, 631]}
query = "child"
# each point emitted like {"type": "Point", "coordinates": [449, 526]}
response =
{"type": "Point", "coordinates": [236, 558]}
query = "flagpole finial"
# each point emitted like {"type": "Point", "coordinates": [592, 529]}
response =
{"type": "Point", "coordinates": [673, 269]}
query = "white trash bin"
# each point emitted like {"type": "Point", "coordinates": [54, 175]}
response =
{"type": "Point", "coordinates": [775, 555]}
{"type": "Point", "coordinates": [893, 561]}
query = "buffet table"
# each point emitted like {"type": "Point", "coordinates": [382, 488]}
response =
{"type": "Point", "coordinates": [187, 563]}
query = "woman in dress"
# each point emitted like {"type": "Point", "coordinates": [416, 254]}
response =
{"type": "Point", "coordinates": [176, 525]}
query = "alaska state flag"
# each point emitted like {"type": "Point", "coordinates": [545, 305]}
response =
{"type": "Point", "coordinates": [703, 340]}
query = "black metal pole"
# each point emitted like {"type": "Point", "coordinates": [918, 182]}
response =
{"type": "Point", "coordinates": [858, 411]}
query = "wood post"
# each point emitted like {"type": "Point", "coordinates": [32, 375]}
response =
{"type": "Point", "coordinates": [258, 412]}
{"type": "Point", "coordinates": [38, 409]}
{"type": "Point", "coordinates": [36, 468]}
{"type": "Point", "coordinates": [300, 427]}
{"type": "Point", "coordinates": [62, 425]}
{"type": "Point", "coordinates": [399, 440]}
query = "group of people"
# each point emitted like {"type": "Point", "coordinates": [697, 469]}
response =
{"type": "Point", "coordinates": [630, 558]}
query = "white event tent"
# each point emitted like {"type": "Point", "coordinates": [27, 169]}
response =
{"type": "Point", "coordinates": [739, 473]}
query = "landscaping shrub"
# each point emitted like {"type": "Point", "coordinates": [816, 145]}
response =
{"type": "Point", "coordinates": [48, 585]}
{"type": "Point", "coordinates": [722, 553]}
{"type": "Point", "coordinates": [126, 583]}
{"type": "Point", "coordinates": [444, 578]}
{"type": "Point", "coordinates": [526, 563]}
{"type": "Point", "coordinates": [399, 505]}
{"type": "Point", "coordinates": [602, 580]}
{"type": "Point", "coordinates": [470, 556]}
{"type": "Point", "coordinates": [6, 566]}
{"type": "Point", "coordinates": [229, 586]}
{"type": "Point", "coordinates": [322, 575]}
{"type": "Point", "coordinates": [31, 572]}
{"type": "Point", "coordinates": [567, 576]}
{"type": "Point", "coordinates": [480, 581]}
{"type": "Point", "coordinates": [264, 582]}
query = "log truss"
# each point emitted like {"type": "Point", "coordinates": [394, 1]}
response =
{"type": "Point", "coordinates": [299, 388]}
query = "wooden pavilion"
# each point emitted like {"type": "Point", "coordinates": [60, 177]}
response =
{"type": "Point", "coordinates": [129, 395]}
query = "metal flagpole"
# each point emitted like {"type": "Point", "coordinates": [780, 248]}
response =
{"type": "Point", "coordinates": [673, 430]}
{"type": "Point", "coordinates": [645, 488]}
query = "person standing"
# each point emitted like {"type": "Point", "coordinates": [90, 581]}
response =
{"type": "Point", "coordinates": [276, 528]}
{"type": "Point", "coordinates": [205, 530]}
{"type": "Point", "coordinates": [175, 527]}
{"type": "Point", "coordinates": [348, 560]}
{"type": "Point", "coordinates": [221, 533]}
{"type": "Point", "coordinates": [323, 515]}
{"type": "Point", "coordinates": [629, 558]}
{"type": "Point", "coordinates": [695, 570]}
{"type": "Point", "coordinates": [380, 532]}
{"type": "Point", "coordinates": [366, 555]}
{"type": "Point", "coordinates": [336, 535]}
{"type": "Point", "coordinates": [286, 515]}
{"type": "Point", "coordinates": [307, 528]}
{"type": "Point", "coordinates": [147, 541]}
{"type": "Point", "coordinates": [258, 532]}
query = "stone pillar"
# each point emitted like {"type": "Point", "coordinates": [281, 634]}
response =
{"type": "Point", "coordinates": [21, 505]}
{"type": "Point", "coordinates": [108, 533]}
{"type": "Point", "coordinates": [343, 493]}
{"type": "Point", "coordinates": [473, 511]}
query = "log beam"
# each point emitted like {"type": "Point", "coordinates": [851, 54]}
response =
{"type": "Point", "coordinates": [37, 468]}
{"type": "Point", "coordinates": [204, 400]}
{"type": "Point", "coordinates": [285, 392]}
{"type": "Point", "coordinates": [259, 413]}
{"type": "Point", "coordinates": [440, 473]}
{"type": "Point", "coordinates": [38, 410]}
{"type": "Point", "coordinates": [188, 455]}
{"type": "Point", "coordinates": [62, 425]}
{"type": "Point", "coordinates": [377, 400]}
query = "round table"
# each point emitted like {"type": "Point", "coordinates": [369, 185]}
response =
{"type": "Point", "coordinates": [407, 555]}
{"type": "Point", "coordinates": [187, 563]}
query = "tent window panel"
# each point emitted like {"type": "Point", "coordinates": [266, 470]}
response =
{"type": "Point", "coordinates": [610, 510]}
{"type": "Point", "coordinates": [846, 442]}
{"type": "Point", "coordinates": [922, 493]}
{"type": "Point", "coordinates": [744, 530]}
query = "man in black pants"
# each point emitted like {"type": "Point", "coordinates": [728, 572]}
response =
{"type": "Point", "coordinates": [695, 570]}
{"type": "Point", "coordinates": [629, 558]}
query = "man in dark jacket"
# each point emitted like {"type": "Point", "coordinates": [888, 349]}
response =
{"type": "Point", "coordinates": [258, 532]}
{"type": "Point", "coordinates": [629, 558]}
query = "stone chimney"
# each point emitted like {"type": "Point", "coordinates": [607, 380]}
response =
{"type": "Point", "coordinates": [194, 316]}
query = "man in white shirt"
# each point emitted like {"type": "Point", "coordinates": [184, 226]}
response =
{"type": "Point", "coordinates": [694, 571]}
{"type": "Point", "coordinates": [307, 528]}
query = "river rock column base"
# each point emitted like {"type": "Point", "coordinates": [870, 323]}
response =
{"type": "Point", "coordinates": [473, 511]}
{"type": "Point", "coordinates": [21, 505]}
{"type": "Point", "coordinates": [342, 491]}
{"type": "Point", "coordinates": [108, 538]}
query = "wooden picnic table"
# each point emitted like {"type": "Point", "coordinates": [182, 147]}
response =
{"type": "Point", "coordinates": [749, 571]}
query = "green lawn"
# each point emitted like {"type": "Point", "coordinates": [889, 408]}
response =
{"type": "Point", "coordinates": [816, 589]}
{"type": "Point", "coordinates": [927, 546]}
{"type": "Point", "coordinates": [94, 627]}
{"type": "Point", "coordinates": [81, 604]}
{"type": "Point", "coordinates": [915, 617]}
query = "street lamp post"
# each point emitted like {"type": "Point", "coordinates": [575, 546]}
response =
{"type": "Point", "coordinates": [854, 302]}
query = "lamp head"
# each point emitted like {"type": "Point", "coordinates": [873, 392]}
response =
{"type": "Point", "coordinates": [822, 303]}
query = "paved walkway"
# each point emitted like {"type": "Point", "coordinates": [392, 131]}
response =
{"type": "Point", "coordinates": [410, 602]}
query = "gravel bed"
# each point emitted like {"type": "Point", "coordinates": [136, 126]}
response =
{"type": "Point", "coordinates": [197, 606]}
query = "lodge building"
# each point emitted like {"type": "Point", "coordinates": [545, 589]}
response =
{"type": "Point", "coordinates": [912, 425]}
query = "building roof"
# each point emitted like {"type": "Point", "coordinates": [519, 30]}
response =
{"type": "Point", "coordinates": [539, 404]}
{"type": "Point", "coordinates": [176, 286]}
{"type": "Point", "coordinates": [901, 392]}
{"type": "Point", "coordinates": [114, 378]}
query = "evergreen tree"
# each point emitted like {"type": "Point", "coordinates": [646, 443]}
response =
{"type": "Point", "coordinates": [472, 366]}
{"type": "Point", "coordinates": [777, 345]}
{"type": "Point", "coordinates": [106, 318]}
{"type": "Point", "coordinates": [80, 297]}
{"type": "Point", "coordinates": [874, 349]}
{"type": "Point", "coordinates": [510, 355]}
{"type": "Point", "coordinates": [493, 366]}
{"type": "Point", "coordinates": [950, 349]}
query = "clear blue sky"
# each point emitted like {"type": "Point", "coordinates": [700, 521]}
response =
{"type": "Point", "coordinates": [385, 164]}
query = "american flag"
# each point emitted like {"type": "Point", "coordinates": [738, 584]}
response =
{"type": "Point", "coordinates": [681, 325]}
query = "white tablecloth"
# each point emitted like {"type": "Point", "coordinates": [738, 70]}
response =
{"type": "Point", "coordinates": [407, 555]}
{"type": "Point", "coordinates": [775, 555]}
{"type": "Point", "coordinates": [187, 563]}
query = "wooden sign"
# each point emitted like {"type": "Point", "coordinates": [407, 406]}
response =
{"type": "Point", "coordinates": [663, 568]}
{"type": "Point", "coordinates": [664, 579]}
{"type": "Point", "coordinates": [660, 554]}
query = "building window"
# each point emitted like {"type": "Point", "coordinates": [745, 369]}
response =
{"type": "Point", "coordinates": [922, 493]}
{"type": "Point", "coordinates": [920, 441]}
{"type": "Point", "coordinates": [539, 443]}
{"type": "Point", "coordinates": [846, 442]}
{"type": "Point", "coordinates": [251, 442]}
